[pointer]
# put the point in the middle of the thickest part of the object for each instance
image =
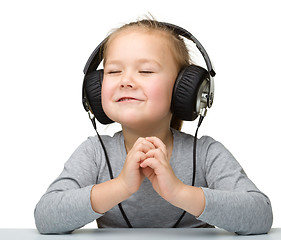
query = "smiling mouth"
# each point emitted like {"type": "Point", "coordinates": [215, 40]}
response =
{"type": "Point", "coordinates": [126, 99]}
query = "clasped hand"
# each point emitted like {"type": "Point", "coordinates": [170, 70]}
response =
{"type": "Point", "coordinates": [149, 158]}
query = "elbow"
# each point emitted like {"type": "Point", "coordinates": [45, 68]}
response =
{"type": "Point", "coordinates": [44, 222]}
{"type": "Point", "coordinates": [46, 228]}
{"type": "Point", "coordinates": [40, 222]}
{"type": "Point", "coordinates": [268, 225]}
{"type": "Point", "coordinates": [254, 230]}
{"type": "Point", "coordinates": [260, 223]}
{"type": "Point", "coordinates": [264, 217]}
{"type": "Point", "coordinates": [267, 220]}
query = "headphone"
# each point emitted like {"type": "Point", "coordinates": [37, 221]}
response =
{"type": "Point", "coordinates": [193, 90]}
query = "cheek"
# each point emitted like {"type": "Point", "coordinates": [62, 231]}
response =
{"type": "Point", "coordinates": [163, 88]}
{"type": "Point", "coordinates": [161, 95]}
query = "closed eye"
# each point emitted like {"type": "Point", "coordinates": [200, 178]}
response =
{"type": "Point", "coordinates": [113, 72]}
{"type": "Point", "coordinates": [145, 72]}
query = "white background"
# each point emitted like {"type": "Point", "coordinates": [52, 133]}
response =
{"type": "Point", "coordinates": [45, 44]}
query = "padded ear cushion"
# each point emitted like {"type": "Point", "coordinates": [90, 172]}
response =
{"type": "Point", "coordinates": [92, 90]}
{"type": "Point", "coordinates": [185, 92]}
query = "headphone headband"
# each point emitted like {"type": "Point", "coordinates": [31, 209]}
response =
{"type": "Point", "coordinates": [184, 33]}
{"type": "Point", "coordinates": [94, 60]}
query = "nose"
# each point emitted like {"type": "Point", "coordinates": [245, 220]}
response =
{"type": "Point", "coordinates": [127, 81]}
{"type": "Point", "coordinates": [126, 86]}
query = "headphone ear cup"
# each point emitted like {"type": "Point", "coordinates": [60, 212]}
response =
{"type": "Point", "coordinates": [92, 91]}
{"type": "Point", "coordinates": [186, 90]}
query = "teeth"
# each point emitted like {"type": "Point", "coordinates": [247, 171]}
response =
{"type": "Point", "coordinates": [125, 99]}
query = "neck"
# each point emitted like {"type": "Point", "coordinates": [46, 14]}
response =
{"type": "Point", "coordinates": [164, 134]}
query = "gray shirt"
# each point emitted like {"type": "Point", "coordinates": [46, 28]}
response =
{"type": "Point", "coordinates": [233, 202]}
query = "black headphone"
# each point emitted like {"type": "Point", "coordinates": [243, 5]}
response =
{"type": "Point", "coordinates": [193, 89]}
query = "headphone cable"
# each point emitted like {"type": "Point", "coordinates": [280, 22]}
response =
{"type": "Point", "coordinates": [194, 164]}
{"type": "Point", "coordinates": [109, 168]}
{"type": "Point", "coordinates": [112, 177]}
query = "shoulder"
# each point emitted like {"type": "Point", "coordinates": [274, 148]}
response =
{"type": "Point", "coordinates": [215, 155]}
{"type": "Point", "coordinates": [206, 145]}
{"type": "Point", "coordinates": [185, 138]}
{"type": "Point", "coordinates": [105, 138]}
{"type": "Point", "coordinates": [210, 146]}
{"type": "Point", "coordinates": [91, 150]}
{"type": "Point", "coordinates": [206, 142]}
{"type": "Point", "coordinates": [93, 143]}
{"type": "Point", "coordinates": [181, 137]}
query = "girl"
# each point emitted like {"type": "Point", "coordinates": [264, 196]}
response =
{"type": "Point", "coordinates": [150, 157]}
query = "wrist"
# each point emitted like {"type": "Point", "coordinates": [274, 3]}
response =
{"type": "Point", "coordinates": [178, 194]}
{"type": "Point", "coordinates": [106, 195]}
{"type": "Point", "coordinates": [191, 199]}
{"type": "Point", "coordinates": [123, 189]}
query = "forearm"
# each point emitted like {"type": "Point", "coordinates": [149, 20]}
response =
{"type": "Point", "coordinates": [106, 195]}
{"type": "Point", "coordinates": [240, 212]}
{"type": "Point", "coordinates": [246, 212]}
{"type": "Point", "coordinates": [64, 211]}
{"type": "Point", "coordinates": [191, 199]}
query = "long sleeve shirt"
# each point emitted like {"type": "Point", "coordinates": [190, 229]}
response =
{"type": "Point", "coordinates": [233, 202]}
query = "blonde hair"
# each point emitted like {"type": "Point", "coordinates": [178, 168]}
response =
{"type": "Point", "coordinates": [177, 45]}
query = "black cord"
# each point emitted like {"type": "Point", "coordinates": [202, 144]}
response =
{"type": "Point", "coordinates": [109, 169]}
{"type": "Point", "coordinates": [194, 149]}
{"type": "Point", "coordinates": [194, 164]}
{"type": "Point", "coordinates": [112, 177]}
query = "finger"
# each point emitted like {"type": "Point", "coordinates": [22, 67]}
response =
{"type": "Point", "coordinates": [147, 172]}
{"type": "Point", "coordinates": [157, 143]}
{"type": "Point", "coordinates": [136, 144]}
{"type": "Point", "coordinates": [141, 156]}
{"type": "Point", "coordinates": [134, 159]}
{"type": "Point", "coordinates": [158, 154]}
{"type": "Point", "coordinates": [153, 163]}
{"type": "Point", "coordinates": [140, 139]}
{"type": "Point", "coordinates": [143, 145]}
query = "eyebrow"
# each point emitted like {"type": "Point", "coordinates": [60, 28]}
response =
{"type": "Point", "coordinates": [140, 60]}
{"type": "Point", "coordinates": [148, 60]}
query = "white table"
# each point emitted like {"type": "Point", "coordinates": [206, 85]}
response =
{"type": "Point", "coordinates": [137, 234]}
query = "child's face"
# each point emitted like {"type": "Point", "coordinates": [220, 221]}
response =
{"type": "Point", "coordinates": [139, 75]}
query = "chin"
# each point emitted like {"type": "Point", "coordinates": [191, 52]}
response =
{"type": "Point", "coordinates": [143, 126]}
{"type": "Point", "coordinates": [140, 121]}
